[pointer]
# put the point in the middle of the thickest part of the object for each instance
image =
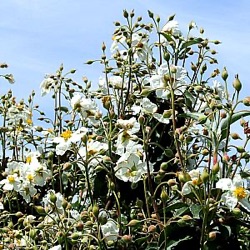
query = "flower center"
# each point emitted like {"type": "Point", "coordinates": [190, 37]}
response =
{"type": "Point", "coordinates": [66, 134]}
{"type": "Point", "coordinates": [11, 179]}
{"type": "Point", "coordinates": [240, 193]}
{"type": "Point", "coordinates": [28, 159]}
{"type": "Point", "coordinates": [30, 177]}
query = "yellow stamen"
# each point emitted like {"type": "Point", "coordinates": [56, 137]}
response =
{"type": "Point", "coordinates": [66, 134]}
{"type": "Point", "coordinates": [11, 179]}
{"type": "Point", "coordinates": [28, 159]}
{"type": "Point", "coordinates": [30, 177]}
{"type": "Point", "coordinates": [240, 193]}
{"type": "Point", "coordinates": [29, 121]}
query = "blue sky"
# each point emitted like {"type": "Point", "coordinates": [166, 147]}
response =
{"type": "Point", "coordinates": [38, 35]}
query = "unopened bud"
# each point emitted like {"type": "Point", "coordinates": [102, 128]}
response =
{"type": "Point", "coordinates": [224, 74]}
{"type": "Point", "coordinates": [240, 149]}
{"type": "Point", "coordinates": [215, 168]}
{"type": "Point", "coordinates": [164, 196]}
{"type": "Point", "coordinates": [237, 84]}
{"type": "Point", "coordinates": [53, 198]}
{"type": "Point", "coordinates": [212, 235]}
{"type": "Point", "coordinates": [184, 177]}
{"type": "Point", "coordinates": [133, 223]}
{"type": "Point", "coordinates": [235, 136]}
{"type": "Point", "coordinates": [246, 101]}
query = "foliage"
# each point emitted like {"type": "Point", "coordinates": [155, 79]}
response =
{"type": "Point", "coordinates": [146, 160]}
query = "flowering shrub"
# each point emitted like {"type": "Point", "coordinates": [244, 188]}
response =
{"type": "Point", "coordinates": [145, 160]}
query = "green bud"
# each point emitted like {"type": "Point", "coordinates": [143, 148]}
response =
{"type": "Point", "coordinates": [164, 166]}
{"type": "Point", "coordinates": [224, 74]}
{"type": "Point", "coordinates": [204, 176]}
{"type": "Point", "coordinates": [237, 84]}
{"type": "Point", "coordinates": [164, 196]}
{"type": "Point", "coordinates": [215, 168]}
{"type": "Point", "coordinates": [150, 14]}
{"type": "Point", "coordinates": [125, 13]}
{"type": "Point", "coordinates": [75, 235]}
{"type": "Point", "coordinates": [240, 149]}
{"type": "Point", "coordinates": [40, 210]}
{"type": "Point", "coordinates": [133, 223]}
{"type": "Point", "coordinates": [202, 119]}
{"type": "Point", "coordinates": [166, 56]}
{"type": "Point", "coordinates": [184, 177]}
{"type": "Point", "coordinates": [53, 198]}
{"type": "Point", "coordinates": [246, 101]}
{"type": "Point", "coordinates": [95, 210]}
{"type": "Point", "coordinates": [235, 136]}
{"type": "Point", "coordinates": [102, 217]}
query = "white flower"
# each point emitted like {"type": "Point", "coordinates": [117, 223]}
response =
{"type": "Point", "coordinates": [1, 206]}
{"type": "Point", "coordinates": [219, 89]}
{"type": "Point", "coordinates": [131, 125]}
{"type": "Point", "coordinates": [67, 138]}
{"type": "Point", "coordinates": [190, 185]}
{"type": "Point", "coordinates": [161, 118]}
{"type": "Point", "coordinates": [131, 169]}
{"type": "Point", "coordinates": [49, 204]}
{"type": "Point", "coordinates": [94, 150]}
{"type": "Point", "coordinates": [139, 45]}
{"type": "Point", "coordinates": [110, 230]}
{"type": "Point", "coordinates": [14, 167]}
{"type": "Point", "coordinates": [27, 190]}
{"type": "Point", "coordinates": [11, 182]}
{"type": "Point", "coordinates": [57, 247]}
{"type": "Point", "coordinates": [234, 192]}
{"type": "Point", "coordinates": [145, 106]}
{"type": "Point", "coordinates": [128, 148]}
{"type": "Point", "coordinates": [172, 27]}
{"type": "Point", "coordinates": [46, 85]}
{"type": "Point", "coordinates": [75, 214]}
{"type": "Point", "coordinates": [117, 82]}
{"type": "Point", "coordinates": [162, 88]}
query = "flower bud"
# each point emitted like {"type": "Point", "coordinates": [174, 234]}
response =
{"type": "Point", "coordinates": [127, 238]}
{"type": "Point", "coordinates": [125, 13]}
{"type": "Point", "coordinates": [141, 119]}
{"type": "Point", "coordinates": [237, 84]}
{"type": "Point", "coordinates": [204, 176]}
{"type": "Point", "coordinates": [166, 56]}
{"type": "Point", "coordinates": [53, 198]}
{"type": "Point", "coordinates": [235, 136]}
{"type": "Point", "coordinates": [202, 119]}
{"type": "Point", "coordinates": [240, 149]}
{"type": "Point", "coordinates": [215, 168]}
{"type": "Point", "coordinates": [246, 101]}
{"type": "Point", "coordinates": [95, 210]}
{"type": "Point", "coordinates": [212, 235]}
{"type": "Point", "coordinates": [151, 228]}
{"type": "Point", "coordinates": [224, 74]}
{"type": "Point", "coordinates": [164, 166]}
{"type": "Point", "coordinates": [150, 14]}
{"type": "Point", "coordinates": [236, 212]}
{"type": "Point", "coordinates": [39, 209]}
{"type": "Point", "coordinates": [102, 217]}
{"type": "Point", "coordinates": [184, 177]}
{"type": "Point", "coordinates": [164, 196]}
{"type": "Point", "coordinates": [133, 223]}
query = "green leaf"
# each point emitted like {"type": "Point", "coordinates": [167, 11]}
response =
{"type": "Point", "coordinates": [181, 211]}
{"type": "Point", "coordinates": [173, 243]}
{"type": "Point", "coordinates": [195, 210]}
{"type": "Point", "coordinates": [190, 43]}
{"type": "Point", "coordinates": [235, 117]}
{"type": "Point", "coordinates": [167, 36]}
{"type": "Point", "coordinates": [175, 206]}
